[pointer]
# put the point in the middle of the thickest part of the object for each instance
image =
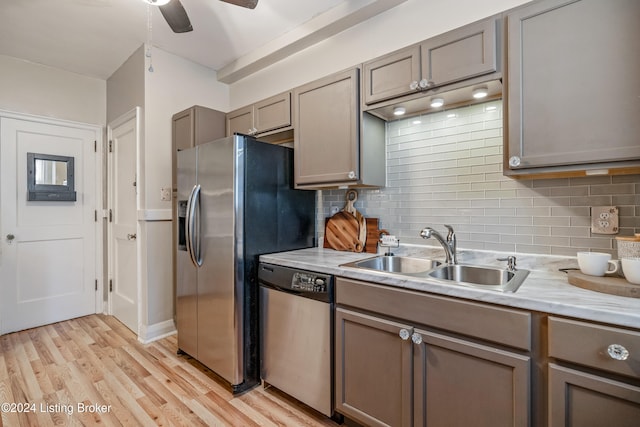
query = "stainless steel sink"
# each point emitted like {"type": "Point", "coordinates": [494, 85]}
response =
{"type": "Point", "coordinates": [395, 264]}
{"type": "Point", "coordinates": [484, 277]}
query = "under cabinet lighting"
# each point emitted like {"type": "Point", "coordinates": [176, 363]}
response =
{"type": "Point", "coordinates": [480, 92]}
{"type": "Point", "coordinates": [437, 102]}
{"type": "Point", "coordinates": [399, 111]}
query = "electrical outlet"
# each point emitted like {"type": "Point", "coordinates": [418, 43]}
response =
{"type": "Point", "coordinates": [165, 194]}
{"type": "Point", "coordinates": [604, 220]}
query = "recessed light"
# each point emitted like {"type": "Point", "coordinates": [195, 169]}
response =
{"type": "Point", "coordinates": [480, 92]}
{"type": "Point", "coordinates": [437, 102]}
{"type": "Point", "coordinates": [399, 111]}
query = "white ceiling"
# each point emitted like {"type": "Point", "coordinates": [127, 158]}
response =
{"type": "Point", "coordinates": [95, 37]}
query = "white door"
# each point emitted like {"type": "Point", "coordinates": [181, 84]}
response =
{"type": "Point", "coordinates": [48, 249]}
{"type": "Point", "coordinates": [123, 222]}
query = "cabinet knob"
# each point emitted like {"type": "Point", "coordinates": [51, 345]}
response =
{"type": "Point", "coordinates": [413, 85]}
{"type": "Point", "coordinates": [404, 334]}
{"type": "Point", "coordinates": [351, 175]}
{"type": "Point", "coordinates": [618, 352]}
{"type": "Point", "coordinates": [10, 237]}
{"type": "Point", "coordinates": [424, 83]}
{"type": "Point", "coordinates": [514, 161]}
{"type": "Point", "coordinates": [416, 338]}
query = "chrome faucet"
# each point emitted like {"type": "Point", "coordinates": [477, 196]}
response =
{"type": "Point", "coordinates": [448, 244]}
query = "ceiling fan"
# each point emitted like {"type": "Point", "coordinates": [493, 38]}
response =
{"type": "Point", "coordinates": [177, 18]}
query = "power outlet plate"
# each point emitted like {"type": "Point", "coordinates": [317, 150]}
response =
{"type": "Point", "coordinates": [165, 194]}
{"type": "Point", "coordinates": [604, 220]}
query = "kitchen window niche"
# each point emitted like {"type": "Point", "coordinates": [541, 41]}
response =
{"type": "Point", "coordinates": [50, 178]}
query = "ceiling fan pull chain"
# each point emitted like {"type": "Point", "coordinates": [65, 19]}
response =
{"type": "Point", "coordinates": [149, 37]}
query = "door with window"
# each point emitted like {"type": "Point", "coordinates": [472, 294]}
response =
{"type": "Point", "coordinates": [50, 246]}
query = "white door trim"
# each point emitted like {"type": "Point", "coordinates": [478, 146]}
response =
{"type": "Point", "coordinates": [99, 206]}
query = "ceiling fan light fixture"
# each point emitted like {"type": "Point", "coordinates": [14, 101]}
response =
{"type": "Point", "coordinates": [157, 2]}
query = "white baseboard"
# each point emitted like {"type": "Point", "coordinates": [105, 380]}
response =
{"type": "Point", "coordinates": [157, 331]}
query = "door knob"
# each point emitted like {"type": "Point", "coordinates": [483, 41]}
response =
{"type": "Point", "coordinates": [131, 237]}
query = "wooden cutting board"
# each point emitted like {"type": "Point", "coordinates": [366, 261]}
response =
{"type": "Point", "coordinates": [333, 240]}
{"type": "Point", "coordinates": [608, 285]}
{"type": "Point", "coordinates": [341, 232]}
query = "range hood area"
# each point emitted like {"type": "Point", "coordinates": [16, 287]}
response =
{"type": "Point", "coordinates": [453, 96]}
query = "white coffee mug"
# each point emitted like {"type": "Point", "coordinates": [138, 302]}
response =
{"type": "Point", "coordinates": [596, 263]}
{"type": "Point", "coordinates": [631, 269]}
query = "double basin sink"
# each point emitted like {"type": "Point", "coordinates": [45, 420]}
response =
{"type": "Point", "coordinates": [491, 278]}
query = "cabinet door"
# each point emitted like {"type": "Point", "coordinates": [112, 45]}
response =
{"type": "Point", "coordinates": [466, 52]}
{"type": "Point", "coordinates": [392, 75]}
{"type": "Point", "coordinates": [458, 383]}
{"type": "Point", "coordinates": [373, 370]}
{"type": "Point", "coordinates": [241, 121]}
{"type": "Point", "coordinates": [327, 115]}
{"type": "Point", "coordinates": [183, 126]}
{"type": "Point", "coordinates": [572, 88]}
{"type": "Point", "coordinates": [578, 399]}
{"type": "Point", "coordinates": [273, 113]}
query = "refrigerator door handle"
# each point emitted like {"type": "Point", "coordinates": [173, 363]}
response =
{"type": "Point", "coordinates": [193, 238]}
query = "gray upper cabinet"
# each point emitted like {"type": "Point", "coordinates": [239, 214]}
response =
{"type": "Point", "coordinates": [572, 87]}
{"type": "Point", "coordinates": [335, 144]}
{"type": "Point", "coordinates": [461, 54]}
{"type": "Point", "coordinates": [270, 115]}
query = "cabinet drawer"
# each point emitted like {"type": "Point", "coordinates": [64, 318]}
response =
{"type": "Point", "coordinates": [587, 344]}
{"type": "Point", "coordinates": [495, 324]}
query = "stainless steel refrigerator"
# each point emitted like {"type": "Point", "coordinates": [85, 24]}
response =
{"type": "Point", "coordinates": [235, 201]}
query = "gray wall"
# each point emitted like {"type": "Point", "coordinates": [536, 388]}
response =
{"type": "Point", "coordinates": [447, 170]}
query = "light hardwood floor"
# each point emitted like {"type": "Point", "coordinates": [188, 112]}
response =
{"type": "Point", "coordinates": [57, 372]}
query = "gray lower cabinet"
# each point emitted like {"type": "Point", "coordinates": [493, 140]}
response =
{"type": "Point", "coordinates": [571, 87]}
{"type": "Point", "coordinates": [462, 383]}
{"type": "Point", "coordinates": [580, 399]}
{"type": "Point", "coordinates": [373, 370]}
{"type": "Point", "coordinates": [463, 53]}
{"type": "Point", "coordinates": [335, 144]}
{"type": "Point", "coordinates": [594, 375]}
{"type": "Point", "coordinates": [407, 373]}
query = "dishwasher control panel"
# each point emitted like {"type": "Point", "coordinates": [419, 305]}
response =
{"type": "Point", "coordinates": [309, 282]}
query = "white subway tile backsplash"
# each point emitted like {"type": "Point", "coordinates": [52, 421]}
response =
{"type": "Point", "coordinates": [448, 170]}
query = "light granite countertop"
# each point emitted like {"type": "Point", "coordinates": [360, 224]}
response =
{"type": "Point", "coordinates": [545, 289]}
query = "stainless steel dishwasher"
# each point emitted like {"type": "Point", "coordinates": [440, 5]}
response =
{"type": "Point", "coordinates": [296, 334]}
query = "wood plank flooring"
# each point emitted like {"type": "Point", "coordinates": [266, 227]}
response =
{"type": "Point", "coordinates": [92, 370]}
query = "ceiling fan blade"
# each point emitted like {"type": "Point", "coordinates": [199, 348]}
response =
{"type": "Point", "coordinates": [176, 17]}
{"type": "Point", "coordinates": [249, 4]}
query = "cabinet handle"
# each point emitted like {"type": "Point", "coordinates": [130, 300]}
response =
{"type": "Point", "coordinates": [514, 161]}
{"type": "Point", "coordinates": [618, 352]}
{"type": "Point", "coordinates": [413, 85]}
{"type": "Point", "coordinates": [404, 334]}
{"type": "Point", "coordinates": [416, 338]}
{"type": "Point", "coordinates": [131, 237]}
